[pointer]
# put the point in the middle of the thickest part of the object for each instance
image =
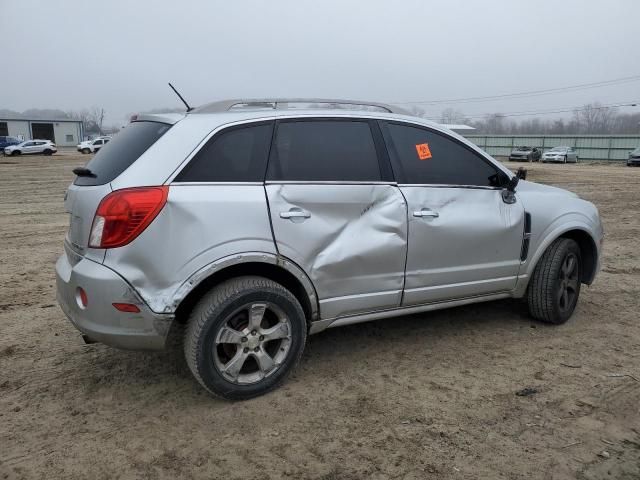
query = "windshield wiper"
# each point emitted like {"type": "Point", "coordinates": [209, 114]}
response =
{"type": "Point", "coordinates": [83, 172]}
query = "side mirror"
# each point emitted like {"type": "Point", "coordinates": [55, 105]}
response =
{"type": "Point", "coordinates": [509, 191]}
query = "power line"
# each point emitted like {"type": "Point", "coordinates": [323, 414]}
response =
{"type": "Point", "coordinates": [531, 93]}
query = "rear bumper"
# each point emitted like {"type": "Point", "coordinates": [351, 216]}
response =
{"type": "Point", "coordinates": [99, 320]}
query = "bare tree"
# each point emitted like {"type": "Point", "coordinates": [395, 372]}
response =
{"type": "Point", "coordinates": [595, 118]}
{"type": "Point", "coordinates": [451, 116]}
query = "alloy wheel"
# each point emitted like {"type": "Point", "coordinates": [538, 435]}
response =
{"type": "Point", "coordinates": [252, 343]}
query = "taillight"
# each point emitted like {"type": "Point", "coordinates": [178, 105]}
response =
{"type": "Point", "coordinates": [124, 214]}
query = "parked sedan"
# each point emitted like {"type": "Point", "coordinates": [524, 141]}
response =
{"type": "Point", "coordinates": [560, 154]}
{"type": "Point", "coordinates": [634, 158]}
{"type": "Point", "coordinates": [42, 147]}
{"type": "Point", "coordinates": [528, 154]}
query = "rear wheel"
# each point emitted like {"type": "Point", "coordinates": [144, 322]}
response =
{"type": "Point", "coordinates": [47, 152]}
{"type": "Point", "coordinates": [554, 287]}
{"type": "Point", "coordinates": [244, 337]}
{"type": "Point", "coordinates": [86, 150]}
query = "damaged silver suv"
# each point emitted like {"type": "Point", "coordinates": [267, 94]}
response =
{"type": "Point", "coordinates": [257, 223]}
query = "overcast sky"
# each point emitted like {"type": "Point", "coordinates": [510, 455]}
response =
{"type": "Point", "coordinates": [120, 54]}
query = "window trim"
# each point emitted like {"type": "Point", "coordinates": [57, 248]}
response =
{"type": "Point", "coordinates": [387, 138]}
{"type": "Point", "coordinates": [384, 165]}
{"type": "Point", "coordinates": [222, 130]}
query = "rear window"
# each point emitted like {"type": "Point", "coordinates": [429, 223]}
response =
{"type": "Point", "coordinates": [124, 149]}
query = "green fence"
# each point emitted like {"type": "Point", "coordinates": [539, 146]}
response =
{"type": "Point", "coordinates": [589, 147]}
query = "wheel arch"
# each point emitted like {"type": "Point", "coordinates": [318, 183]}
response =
{"type": "Point", "coordinates": [268, 265]}
{"type": "Point", "coordinates": [588, 250]}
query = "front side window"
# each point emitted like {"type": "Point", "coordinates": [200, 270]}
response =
{"type": "Point", "coordinates": [324, 150]}
{"type": "Point", "coordinates": [423, 156]}
{"type": "Point", "coordinates": [237, 154]}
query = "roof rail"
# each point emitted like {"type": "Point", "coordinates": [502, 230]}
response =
{"type": "Point", "coordinates": [284, 103]}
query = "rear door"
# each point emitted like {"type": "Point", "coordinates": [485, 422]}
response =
{"type": "Point", "coordinates": [337, 213]}
{"type": "Point", "coordinates": [464, 240]}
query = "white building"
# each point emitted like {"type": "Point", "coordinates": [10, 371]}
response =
{"type": "Point", "coordinates": [63, 133]}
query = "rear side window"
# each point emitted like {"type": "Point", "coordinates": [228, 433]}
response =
{"type": "Point", "coordinates": [324, 150]}
{"type": "Point", "coordinates": [125, 148]}
{"type": "Point", "coordinates": [237, 154]}
{"type": "Point", "coordinates": [422, 156]}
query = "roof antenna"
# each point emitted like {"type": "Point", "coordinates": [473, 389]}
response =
{"type": "Point", "coordinates": [180, 96]}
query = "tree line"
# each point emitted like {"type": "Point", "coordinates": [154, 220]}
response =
{"type": "Point", "coordinates": [593, 118]}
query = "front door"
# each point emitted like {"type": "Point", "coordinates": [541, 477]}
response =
{"type": "Point", "coordinates": [337, 214]}
{"type": "Point", "coordinates": [464, 240]}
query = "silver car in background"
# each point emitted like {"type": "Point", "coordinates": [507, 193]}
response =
{"type": "Point", "coordinates": [255, 224]}
{"type": "Point", "coordinates": [560, 155]}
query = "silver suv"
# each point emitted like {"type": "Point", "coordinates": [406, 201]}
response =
{"type": "Point", "coordinates": [257, 223]}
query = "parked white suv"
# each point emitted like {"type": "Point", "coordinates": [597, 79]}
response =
{"type": "Point", "coordinates": [255, 224]}
{"type": "Point", "coordinates": [43, 147]}
{"type": "Point", "coordinates": [92, 146]}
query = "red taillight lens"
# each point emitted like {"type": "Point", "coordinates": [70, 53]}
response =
{"type": "Point", "coordinates": [124, 214]}
{"type": "Point", "coordinates": [126, 307]}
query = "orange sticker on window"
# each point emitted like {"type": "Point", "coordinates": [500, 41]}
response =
{"type": "Point", "coordinates": [423, 151]}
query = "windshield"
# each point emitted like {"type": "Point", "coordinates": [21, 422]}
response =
{"type": "Point", "coordinates": [636, 151]}
{"type": "Point", "coordinates": [523, 149]}
{"type": "Point", "coordinates": [558, 149]}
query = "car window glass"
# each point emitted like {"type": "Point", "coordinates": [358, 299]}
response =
{"type": "Point", "coordinates": [237, 154]}
{"type": "Point", "coordinates": [113, 159]}
{"type": "Point", "coordinates": [324, 150]}
{"type": "Point", "coordinates": [423, 156]}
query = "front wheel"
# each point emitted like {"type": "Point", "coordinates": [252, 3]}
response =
{"type": "Point", "coordinates": [15, 152]}
{"type": "Point", "coordinates": [244, 337]}
{"type": "Point", "coordinates": [86, 150]}
{"type": "Point", "coordinates": [554, 287]}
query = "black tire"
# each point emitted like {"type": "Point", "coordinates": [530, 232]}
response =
{"type": "Point", "coordinates": [15, 152]}
{"type": "Point", "coordinates": [86, 150]}
{"type": "Point", "coordinates": [226, 303]}
{"type": "Point", "coordinates": [47, 152]}
{"type": "Point", "coordinates": [552, 280]}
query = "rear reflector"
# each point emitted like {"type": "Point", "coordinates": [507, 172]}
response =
{"type": "Point", "coordinates": [126, 307]}
{"type": "Point", "coordinates": [81, 298]}
{"type": "Point", "coordinates": [124, 214]}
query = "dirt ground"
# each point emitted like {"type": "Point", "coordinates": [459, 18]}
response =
{"type": "Point", "coordinates": [425, 396]}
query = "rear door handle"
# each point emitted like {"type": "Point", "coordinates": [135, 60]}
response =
{"type": "Point", "coordinates": [425, 212]}
{"type": "Point", "coordinates": [295, 213]}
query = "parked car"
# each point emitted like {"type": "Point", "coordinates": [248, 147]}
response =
{"type": "Point", "coordinates": [529, 154]}
{"type": "Point", "coordinates": [255, 228]}
{"type": "Point", "coordinates": [7, 142]}
{"type": "Point", "coordinates": [92, 146]}
{"type": "Point", "coordinates": [44, 147]}
{"type": "Point", "coordinates": [560, 154]}
{"type": "Point", "coordinates": [634, 158]}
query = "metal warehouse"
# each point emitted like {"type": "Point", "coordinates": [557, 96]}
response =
{"type": "Point", "coordinates": [61, 132]}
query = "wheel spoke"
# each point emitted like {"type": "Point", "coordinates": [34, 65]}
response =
{"type": "Point", "coordinates": [256, 314]}
{"type": "Point", "coordinates": [565, 299]}
{"type": "Point", "coordinates": [265, 362]}
{"type": "Point", "coordinates": [233, 366]}
{"type": "Point", "coordinates": [281, 330]}
{"type": "Point", "coordinates": [229, 335]}
{"type": "Point", "coordinates": [573, 285]}
{"type": "Point", "coordinates": [570, 265]}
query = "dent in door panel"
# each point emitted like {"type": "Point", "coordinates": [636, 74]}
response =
{"type": "Point", "coordinates": [352, 244]}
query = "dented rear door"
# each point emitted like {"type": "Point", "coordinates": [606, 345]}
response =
{"type": "Point", "coordinates": [337, 215]}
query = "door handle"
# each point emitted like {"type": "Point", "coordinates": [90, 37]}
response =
{"type": "Point", "coordinates": [425, 212]}
{"type": "Point", "coordinates": [295, 213]}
